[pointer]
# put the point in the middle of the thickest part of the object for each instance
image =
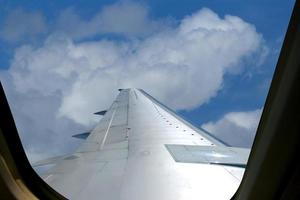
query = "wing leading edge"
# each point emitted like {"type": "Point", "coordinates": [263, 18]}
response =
{"type": "Point", "coordinates": [142, 150]}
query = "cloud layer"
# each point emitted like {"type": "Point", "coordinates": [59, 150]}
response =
{"type": "Point", "coordinates": [126, 18]}
{"type": "Point", "coordinates": [20, 24]}
{"type": "Point", "coordinates": [60, 84]}
{"type": "Point", "coordinates": [236, 128]}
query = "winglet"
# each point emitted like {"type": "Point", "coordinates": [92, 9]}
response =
{"type": "Point", "coordinates": [100, 112]}
{"type": "Point", "coordinates": [81, 135]}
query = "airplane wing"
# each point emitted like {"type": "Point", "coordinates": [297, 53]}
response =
{"type": "Point", "coordinates": [142, 150]}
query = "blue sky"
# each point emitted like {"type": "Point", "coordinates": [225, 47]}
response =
{"type": "Point", "coordinates": [237, 56]}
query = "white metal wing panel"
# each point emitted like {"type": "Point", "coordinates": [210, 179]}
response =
{"type": "Point", "coordinates": [125, 157]}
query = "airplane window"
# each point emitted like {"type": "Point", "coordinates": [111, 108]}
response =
{"type": "Point", "coordinates": [140, 99]}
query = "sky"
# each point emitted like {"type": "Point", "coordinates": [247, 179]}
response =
{"type": "Point", "coordinates": [211, 61]}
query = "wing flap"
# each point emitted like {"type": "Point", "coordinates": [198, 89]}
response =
{"type": "Point", "coordinates": [229, 156]}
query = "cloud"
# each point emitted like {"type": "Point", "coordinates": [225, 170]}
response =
{"type": "Point", "coordinates": [236, 128]}
{"type": "Point", "coordinates": [124, 18]}
{"type": "Point", "coordinates": [127, 18]}
{"type": "Point", "coordinates": [20, 24]}
{"type": "Point", "coordinates": [56, 87]}
{"type": "Point", "coordinates": [41, 132]}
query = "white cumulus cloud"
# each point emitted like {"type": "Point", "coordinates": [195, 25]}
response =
{"type": "Point", "coordinates": [236, 128]}
{"type": "Point", "coordinates": [60, 84]}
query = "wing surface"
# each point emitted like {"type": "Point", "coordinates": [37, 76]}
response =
{"type": "Point", "coordinates": [142, 150]}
